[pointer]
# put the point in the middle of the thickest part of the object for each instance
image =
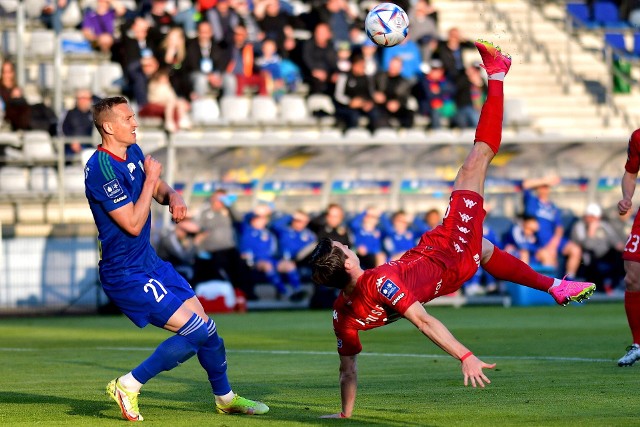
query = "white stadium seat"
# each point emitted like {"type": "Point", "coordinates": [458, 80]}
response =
{"type": "Point", "coordinates": [205, 112]}
{"type": "Point", "coordinates": [14, 179]}
{"type": "Point", "coordinates": [74, 179]}
{"type": "Point", "coordinates": [79, 76]}
{"type": "Point", "coordinates": [108, 78]}
{"type": "Point", "coordinates": [41, 43]}
{"type": "Point", "coordinates": [264, 110]}
{"type": "Point", "coordinates": [44, 179]}
{"type": "Point", "coordinates": [293, 110]}
{"type": "Point", "coordinates": [235, 109]}
{"type": "Point", "coordinates": [37, 145]}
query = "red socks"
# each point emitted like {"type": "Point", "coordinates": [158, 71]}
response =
{"type": "Point", "coordinates": [489, 129]}
{"type": "Point", "coordinates": [632, 307]}
{"type": "Point", "coordinates": [504, 266]}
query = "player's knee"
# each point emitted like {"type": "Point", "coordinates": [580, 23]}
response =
{"type": "Point", "coordinates": [195, 331]}
{"type": "Point", "coordinates": [632, 282]}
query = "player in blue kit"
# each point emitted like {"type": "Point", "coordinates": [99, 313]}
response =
{"type": "Point", "coordinates": [120, 184]}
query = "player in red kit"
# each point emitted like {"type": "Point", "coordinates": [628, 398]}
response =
{"type": "Point", "coordinates": [442, 261]}
{"type": "Point", "coordinates": [631, 255]}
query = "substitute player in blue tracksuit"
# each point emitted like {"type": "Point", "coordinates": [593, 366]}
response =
{"type": "Point", "coordinates": [367, 238]}
{"type": "Point", "coordinates": [120, 184]}
{"type": "Point", "coordinates": [398, 237]}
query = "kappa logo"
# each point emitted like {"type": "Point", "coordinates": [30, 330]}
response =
{"type": "Point", "coordinates": [462, 239]}
{"type": "Point", "coordinates": [469, 203]}
{"type": "Point", "coordinates": [379, 281]}
{"type": "Point", "coordinates": [464, 217]}
{"type": "Point", "coordinates": [476, 258]}
{"type": "Point", "coordinates": [112, 188]}
{"type": "Point", "coordinates": [464, 230]}
{"type": "Point", "coordinates": [458, 248]}
{"type": "Point", "coordinates": [335, 315]}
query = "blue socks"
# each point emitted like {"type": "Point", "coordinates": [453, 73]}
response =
{"type": "Point", "coordinates": [213, 359]}
{"type": "Point", "coordinates": [173, 351]}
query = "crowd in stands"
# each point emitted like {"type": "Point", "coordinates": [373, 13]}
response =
{"type": "Point", "coordinates": [266, 246]}
{"type": "Point", "coordinates": [174, 52]}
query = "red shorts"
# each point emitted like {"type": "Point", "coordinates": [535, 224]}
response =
{"type": "Point", "coordinates": [632, 248]}
{"type": "Point", "coordinates": [457, 242]}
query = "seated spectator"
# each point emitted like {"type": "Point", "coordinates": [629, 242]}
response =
{"type": "Point", "coordinates": [409, 52]}
{"type": "Point", "coordinates": [370, 52]}
{"type": "Point", "coordinates": [258, 247]}
{"type": "Point", "coordinates": [138, 59]}
{"type": "Point", "coordinates": [177, 245]}
{"type": "Point", "coordinates": [392, 94]}
{"type": "Point", "coordinates": [274, 25]}
{"type": "Point", "coordinates": [98, 25]}
{"type": "Point", "coordinates": [399, 238]}
{"type": "Point", "coordinates": [8, 81]}
{"type": "Point", "coordinates": [242, 70]}
{"type": "Point", "coordinates": [521, 240]}
{"type": "Point", "coordinates": [206, 61]}
{"type": "Point", "coordinates": [320, 58]}
{"type": "Point", "coordinates": [424, 27]}
{"type": "Point", "coordinates": [551, 235]}
{"type": "Point", "coordinates": [601, 249]}
{"type": "Point", "coordinates": [78, 122]}
{"type": "Point", "coordinates": [430, 220]}
{"type": "Point", "coordinates": [270, 63]}
{"type": "Point", "coordinates": [367, 238]}
{"type": "Point", "coordinates": [354, 97]}
{"type": "Point", "coordinates": [331, 224]}
{"type": "Point", "coordinates": [218, 256]}
{"type": "Point", "coordinates": [248, 19]}
{"type": "Point", "coordinates": [173, 56]}
{"type": "Point", "coordinates": [470, 96]}
{"type": "Point", "coordinates": [17, 111]}
{"type": "Point", "coordinates": [224, 20]}
{"type": "Point", "coordinates": [164, 103]}
{"type": "Point", "coordinates": [52, 12]}
{"type": "Point", "coordinates": [295, 242]}
{"type": "Point", "coordinates": [339, 15]}
{"type": "Point", "coordinates": [450, 52]}
{"type": "Point", "coordinates": [160, 21]}
{"type": "Point", "coordinates": [436, 95]}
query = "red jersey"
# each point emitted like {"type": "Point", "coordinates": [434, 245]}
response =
{"type": "Point", "coordinates": [632, 247]}
{"type": "Point", "coordinates": [443, 260]}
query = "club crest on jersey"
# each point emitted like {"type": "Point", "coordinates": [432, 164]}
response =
{"type": "Point", "coordinates": [112, 188]}
{"type": "Point", "coordinates": [389, 289]}
{"type": "Point", "coordinates": [131, 167]}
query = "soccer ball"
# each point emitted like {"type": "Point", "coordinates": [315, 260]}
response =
{"type": "Point", "coordinates": [387, 24]}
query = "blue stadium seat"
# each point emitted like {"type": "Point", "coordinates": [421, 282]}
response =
{"type": "Point", "coordinates": [581, 15]}
{"type": "Point", "coordinates": [607, 15]}
{"type": "Point", "coordinates": [617, 42]}
{"type": "Point", "coordinates": [636, 44]}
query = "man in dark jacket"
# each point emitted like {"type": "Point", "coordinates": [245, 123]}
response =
{"type": "Point", "coordinates": [206, 60]}
{"type": "Point", "coordinates": [392, 94]}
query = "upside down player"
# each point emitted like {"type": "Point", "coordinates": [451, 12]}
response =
{"type": "Point", "coordinates": [120, 184]}
{"type": "Point", "coordinates": [444, 259]}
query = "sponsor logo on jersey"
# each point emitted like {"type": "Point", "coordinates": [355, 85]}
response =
{"type": "Point", "coordinates": [476, 258]}
{"type": "Point", "coordinates": [389, 289]}
{"type": "Point", "coordinates": [464, 230]}
{"type": "Point", "coordinates": [398, 298]}
{"type": "Point", "coordinates": [112, 188]}
{"type": "Point", "coordinates": [335, 315]}
{"type": "Point", "coordinates": [462, 239]}
{"type": "Point", "coordinates": [458, 248]}
{"type": "Point", "coordinates": [469, 203]}
{"type": "Point", "coordinates": [465, 218]}
{"type": "Point", "coordinates": [119, 199]}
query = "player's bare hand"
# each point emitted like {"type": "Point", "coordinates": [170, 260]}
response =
{"type": "Point", "coordinates": [624, 206]}
{"type": "Point", "coordinates": [152, 168]}
{"type": "Point", "coordinates": [340, 415]}
{"type": "Point", "coordinates": [472, 369]}
{"type": "Point", "coordinates": [177, 207]}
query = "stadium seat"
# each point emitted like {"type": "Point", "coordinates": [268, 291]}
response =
{"type": "Point", "coordinates": [152, 140]}
{"type": "Point", "coordinates": [235, 109]}
{"type": "Point", "coordinates": [33, 9]}
{"type": "Point", "coordinates": [46, 77]}
{"type": "Point", "coordinates": [293, 111]}
{"type": "Point", "coordinates": [10, 138]}
{"type": "Point", "coordinates": [385, 135]}
{"type": "Point", "coordinates": [79, 76]}
{"type": "Point", "coordinates": [37, 146]}
{"type": "Point", "coordinates": [264, 110]}
{"type": "Point", "coordinates": [205, 112]}
{"type": "Point", "coordinates": [9, 46]}
{"type": "Point", "coordinates": [581, 15]}
{"type": "Point", "coordinates": [515, 113]}
{"type": "Point", "coordinates": [617, 42]}
{"type": "Point", "coordinates": [607, 15]}
{"type": "Point", "coordinates": [74, 179]}
{"type": "Point", "coordinates": [109, 79]}
{"type": "Point", "coordinates": [14, 179]}
{"type": "Point", "coordinates": [44, 179]}
{"type": "Point", "coordinates": [8, 7]}
{"type": "Point", "coordinates": [636, 44]}
{"type": "Point", "coordinates": [322, 107]}
{"type": "Point", "coordinates": [42, 43]}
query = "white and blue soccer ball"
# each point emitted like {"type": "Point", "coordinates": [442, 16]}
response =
{"type": "Point", "coordinates": [387, 24]}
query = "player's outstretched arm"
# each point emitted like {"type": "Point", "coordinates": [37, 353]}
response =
{"type": "Point", "coordinates": [348, 386]}
{"type": "Point", "coordinates": [165, 195]}
{"type": "Point", "coordinates": [628, 185]}
{"type": "Point", "coordinates": [435, 330]}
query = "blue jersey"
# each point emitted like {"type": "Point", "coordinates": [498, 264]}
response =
{"type": "Point", "coordinates": [548, 214]}
{"type": "Point", "coordinates": [291, 241]}
{"type": "Point", "coordinates": [110, 183]}
{"type": "Point", "coordinates": [259, 244]}
{"type": "Point", "coordinates": [395, 243]}
{"type": "Point", "coordinates": [371, 239]}
{"type": "Point", "coordinates": [517, 238]}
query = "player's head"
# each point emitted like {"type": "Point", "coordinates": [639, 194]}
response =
{"type": "Point", "coordinates": [530, 225]}
{"type": "Point", "coordinates": [114, 118]}
{"type": "Point", "coordinates": [334, 215]}
{"type": "Point", "coordinates": [329, 264]}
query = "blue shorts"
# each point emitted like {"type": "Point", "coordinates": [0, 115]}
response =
{"type": "Point", "coordinates": [150, 297]}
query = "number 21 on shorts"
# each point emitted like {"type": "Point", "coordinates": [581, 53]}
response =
{"type": "Point", "coordinates": [151, 286]}
{"type": "Point", "coordinates": [632, 243]}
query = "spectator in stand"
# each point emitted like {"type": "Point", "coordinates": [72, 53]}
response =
{"type": "Point", "coordinates": [450, 52]}
{"type": "Point", "coordinates": [367, 238]}
{"type": "Point", "coordinates": [258, 247]}
{"type": "Point", "coordinates": [136, 47]}
{"type": "Point", "coordinates": [430, 220]}
{"type": "Point", "coordinates": [470, 96]}
{"type": "Point", "coordinates": [370, 53]}
{"type": "Point", "coordinates": [354, 96]}
{"type": "Point", "coordinates": [78, 122]}
{"type": "Point", "coordinates": [424, 27]}
{"type": "Point", "coordinates": [17, 111]}
{"type": "Point", "coordinates": [601, 246]}
{"type": "Point", "coordinates": [321, 60]}
{"type": "Point", "coordinates": [248, 19]}
{"type": "Point", "coordinates": [399, 238]}
{"type": "Point", "coordinates": [8, 80]}
{"type": "Point", "coordinates": [165, 103]}
{"type": "Point", "coordinates": [392, 94]}
{"type": "Point", "coordinates": [409, 52]}
{"type": "Point", "coordinates": [242, 70]}
{"type": "Point", "coordinates": [173, 51]}
{"type": "Point", "coordinates": [551, 238]}
{"type": "Point", "coordinates": [224, 21]}
{"type": "Point", "coordinates": [160, 20]}
{"type": "Point", "coordinates": [331, 224]}
{"type": "Point", "coordinates": [295, 241]}
{"type": "Point", "coordinates": [178, 245]}
{"type": "Point", "coordinates": [482, 282]}
{"type": "Point", "coordinates": [98, 24]}
{"type": "Point", "coordinates": [270, 64]}
{"type": "Point", "coordinates": [218, 256]}
{"type": "Point", "coordinates": [521, 240]}
{"type": "Point", "coordinates": [52, 11]}
{"type": "Point", "coordinates": [436, 95]}
{"type": "Point", "coordinates": [339, 15]}
{"type": "Point", "coordinates": [206, 61]}
{"type": "Point", "coordinates": [275, 25]}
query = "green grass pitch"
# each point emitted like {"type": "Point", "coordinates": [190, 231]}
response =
{"type": "Point", "coordinates": [556, 366]}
